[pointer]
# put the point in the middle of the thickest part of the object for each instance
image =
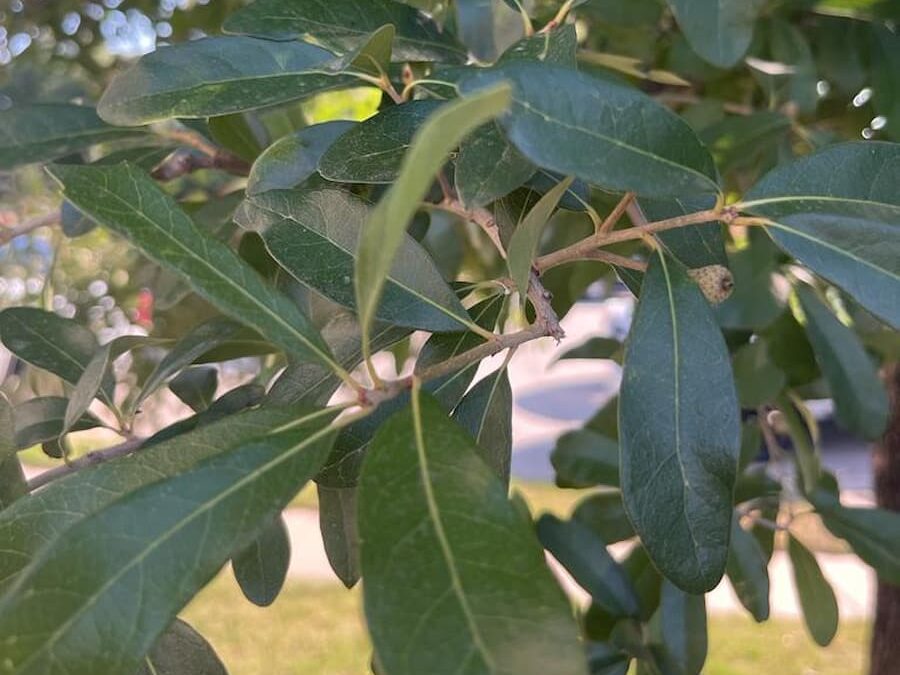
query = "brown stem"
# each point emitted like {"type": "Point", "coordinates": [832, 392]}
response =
{"type": "Point", "coordinates": [90, 459]}
{"type": "Point", "coordinates": [180, 164]}
{"type": "Point", "coordinates": [616, 213]}
{"type": "Point", "coordinates": [30, 225]}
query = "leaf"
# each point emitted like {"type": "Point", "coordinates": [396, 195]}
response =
{"type": "Point", "coordinates": [261, 568]}
{"type": "Point", "coordinates": [806, 451]}
{"type": "Point", "coordinates": [144, 540]}
{"type": "Point", "coordinates": [338, 523]}
{"type": "Point", "coordinates": [487, 27]}
{"type": "Point", "coordinates": [182, 650]}
{"type": "Point", "coordinates": [435, 599]}
{"type": "Point", "coordinates": [576, 198]}
{"type": "Point", "coordinates": [488, 167]}
{"type": "Point", "coordinates": [860, 400]}
{"type": "Point", "coordinates": [584, 555]}
{"type": "Point", "coordinates": [682, 627]}
{"type": "Point", "coordinates": [554, 46]}
{"type": "Point", "coordinates": [720, 31]}
{"type": "Point", "coordinates": [695, 245]}
{"type": "Point", "coordinates": [526, 237]}
{"type": "Point", "coordinates": [790, 349]}
{"type": "Point", "coordinates": [373, 57]}
{"type": "Point", "coordinates": [596, 348]}
{"type": "Point", "coordinates": [604, 513]}
{"type": "Point", "coordinates": [45, 131]}
{"type": "Point", "coordinates": [41, 419]}
{"type": "Point", "coordinates": [486, 413]}
{"type": "Point", "coordinates": [752, 305]}
{"type": "Point", "coordinates": [226, 75]}
{"type": "Point", "coordinates": [838, 212]}
{"type": "Point", "coordinates": [747, 571]}
{"type": "Point", "coordinates": [757, 377]}
{"type": "Point", "coordinates": [385, 230]}
{"type": "Point", "coordinates": [314, 235]}
{"type": "Point", "coordinates": [196, 387]}
{"type": "Point", "coordinates": [585, 458]}
{"type": "Point", "coordinates": [12, 479]}
{"type": "Point", "coordinates": [241, 133]}
{"type": "Point", "coordinates": [129, 202]}
{"type": "Point", "coordinates": [679, 430]}
{"type": "Point", "coordinates": [293, 158]}
{"type": "Point", "coordinates": [820, 608]}
{"type": "Point", "coordinates": [342, 25]}
{"type": "Point", "coordinates": [604, 133]}
{"type": "Point", "coordinates": [373, 150]}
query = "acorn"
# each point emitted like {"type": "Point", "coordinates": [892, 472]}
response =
{"type": "Point", "coordinates": [715, 281]}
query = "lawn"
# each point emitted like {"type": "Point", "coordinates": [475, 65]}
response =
{"type": "Point", "coordinates": [317, 629]}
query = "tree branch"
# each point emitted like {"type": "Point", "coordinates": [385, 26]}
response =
{"type": "Point", "coordinates": [90, 459]}
{"type": "Point", "coordinates": [182, 163]}
{"type": "Point", "coordinates": [28, 226]}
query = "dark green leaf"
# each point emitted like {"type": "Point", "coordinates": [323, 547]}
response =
{"type": "Point", "coordinates": [340, 535]}
{"type": "Point", "coordinates": [46, 131]}
{"type": "Point", "coordinates": [604, 659]}
{"type": "Point", "coordinates": [373, 151]}
{"type": "Point", "coordinates": [226, 75]}
{"type": "Point", "coordinates": [747, 571]}
{"type": "Point", "coordinates": [806, 450]}
{"type": "Point", "coordinates": [695, 245]}
{"type": "Point", "coordinates": [790, 349]}
{"type": "Point", "coordinates": [604, 513]}
{"type": "Point", "coordinates": [196, 387]}
{"type": "Point", "coordinates": [860, 400]}
{"type": "Point", "coordinates": [576, 198]}
{"type": "Point", "coordinates": [143, 540]}
{"type": "Point", "coordinates": [604, 133]}
{"type": "Point", "coordinates": [789, 46]}
{"type": "Point", "coordinates": [488, 167]}
{"type": "Point", "coordinates": [12, 480]}
{"type": "Point", "coordinates": [262, 567]}
{"type": "Point", "coordinates": [487, 27]}
{"type": "Point", "coordinates": [596, 348]}
{"type": "Point", "coordinates": [437, 602]}
{"type": "Point", "coordinates": [373, 57]}
{"type": "Point", "coordinates": [758, 379]}
{"type": "Point", "coordinates": [126, 200]}
{"type": "Point", "coordinates": [41, 419]}
{"type": "Point", "coordinates": [182, 651]}
{"type": "Point", "coordinates": [682, 631]}
{"type": "Point", "coordinates": [718, 30]}
{"type": "Point", "coordinates": [838, 212]}
{"type": "Point", "coordinates": [555, 46]}
{"type": "Point", "coordinates": [240, 133]}
{"type": "Point", "coordinates": [294, 158]}
{"type": "Point", "coordinates": [885, 64]}
{"type": "Point", "coordinates": [314, 235]}
{"type": "Point", "coordinates": [645, 578]}
{"type": "Point", "coordinates": [679, 429]}
{"type": "Point", "coordinates": [820, 608]}
{"type": "Point", "coordinates": [486, 413]}
{"type": "Point", "coordinates": [585, 458]}
{"type": "Point", "coordinates": [752, 304]}
{"type": "Point", "coordinates": [342, 25]}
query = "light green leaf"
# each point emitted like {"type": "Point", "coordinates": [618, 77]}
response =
{"type": "Point", "coordinates": [292, 159]}
{"type": "Point", "coordinates": [262, 567]}
{"type": "Point", "coordinates": [720, 31]}
{"type": "Point", "coordinates": [860, 400]}
{"type": "Point", "coordinates": [820, 608]}
{"type": "Point", "coordinates": [342, 25]}
{"type": "Point", "coordinates": [838, 212]}
{"type": "Point", "coordinates": [526, 237]}
{"type": "Point", "coordinates": [373, 57]}
{"type": "Point", "coordinates": [41, 419]}
{"type": "Point", "coordinates": [385, 229]}
{"type": "Point", "coordinates": [181, 650]}
{"type": "Point", "coordinates": [373, 150]}
{"type": "Point", "coordinates": [585, 458]}
{"type": "Point", "coordinates": [126, 200]}
{"type": "Point", "coordinates": [679, 429]}
{"type": "Point", "coordinates": [142, 541]}
{"type": "Point", "coordinates": [226, 75]}
{"type": "Point", "coordinates": [314, 235]}
{"type": "Point", "coordinates": [602, 132]}
{"type": "Point", "coordinates": [436, 602]}
{"type": "Point", "coordinates": [486, 413]}
{"type": "Point", "coordinates": [46, 131]}
{"type": "Point", "coordinates": [340, 536]}
{"type": "Point", "coordinates": [748, 572]}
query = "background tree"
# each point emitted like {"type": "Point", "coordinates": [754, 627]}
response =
{"type": "Point", "coordinates": [492, 162]}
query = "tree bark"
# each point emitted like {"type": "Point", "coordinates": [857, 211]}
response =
{"type": "Point", "coordinates": [885, 648]}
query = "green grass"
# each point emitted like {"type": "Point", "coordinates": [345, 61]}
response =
{"type": "Point", "coordinates": [317, 629]}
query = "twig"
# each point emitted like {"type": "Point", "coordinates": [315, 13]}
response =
{"type": "Point", "coordinates": [559, 18]}
{"type": "Point", "coordinates": [182, 163]}
{"type": "Point", "coordinates": [7, 235]}
{"type": "Point", "coordinates": [616, 213]}
{"type": "Point", "coordinates": [90, 459]}
{"type": "Point", "coordinates": [480, 216]}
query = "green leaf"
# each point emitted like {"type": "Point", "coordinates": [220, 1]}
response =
{"type": "Point", "coordinates": [488, 167]}
{"type": "Point", "coordinates": [240, 133]}
{"type": "Point", "coordinates": [555, 46]}
{"type": "Point", "coordinates": [46, 131]}
{"type": "Point", "coordinates": [585, 458]}
{"type": "Point", "coordinates": [226, 75]}
{"type": "Point", "coordinates": [885, 65]}
{"type": "Point", "coordinates": [373, 150]}
{"type": "Point", "coordinates": [526, 237]}
{"type": "Point", "coordinates": [720, 31]}
{"type": "Point", "coordinates": [487, 27]}
{"type": "Point", "coordinates": [314, 235]}
{"type": "Point", "coordinates": [748, 572]}
{"type": "Point", "coordinates": [385, 229]}
{"type": "Point", "coordinates": [758, 379]}
{"type": "Point", "coordinates": [584, 555]}
{"type": "Point", "coordinates": [820, 608]}
{"type": "Point", "coordinates": [437, 602]}
{"type": "Point", "coordinates": [41, 419]}
{"type": "Point", "coordinates": [143, 541]}
{"type": "Point", "coordinates": [127, 201]}
{"type": "Point", "coordinates": [262, 567]}
{"type": "Point", "coordinates": [860, 400]}
{"type": "Point", "coordinates": [604, 133]}
{"type": "Point", "coordinates": [342, 25]}
{"type": "Point", "coordinates": [340, 535]}
{"type": "Point", "coordinates": [682, 631]}
{"type": "Point", "coordinates": [486, 413]}
{"type": "Point", "coordinates": [604, 513]}
{"type": "Point", "coordinates": [181, 650]}
{"type": "Point", "coordinates": [596, 348]}
{"type": "Point", "coordinates": [790, 349]}
{"type": "Point", "coordinates": [196, 387]}
{"type": "Point", "coordinates": [292, 159]}
{"type": "Point", "coordinates": [576, 198]}
{"type": "Point", "coordinates": [838, 212]}
{"type": "Point", "coordinates": [752, 305]}
{"type": "Point", "coordinates": [679, 429]}
{"type": "Point", "coordinates": [373, 57]}
{"type": "Point", "coordinates": [806, 451]}
{"type": "Point", "coordinates": [695, 245]}
{"type": "Point", "coordinates": [12, 479]}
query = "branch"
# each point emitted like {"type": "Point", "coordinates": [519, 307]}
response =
{"type": "Point", "coordinates": [182, 163]}
{"type": "Point", "coordinates": [7, 235]}
{"type": "Point", "coordinates": [480, 216]}
{"type": "Point", "coordinates": [90, 459]}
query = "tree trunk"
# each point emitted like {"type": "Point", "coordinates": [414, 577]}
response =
{"type": "Point", "coordinates": [885, 653]}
